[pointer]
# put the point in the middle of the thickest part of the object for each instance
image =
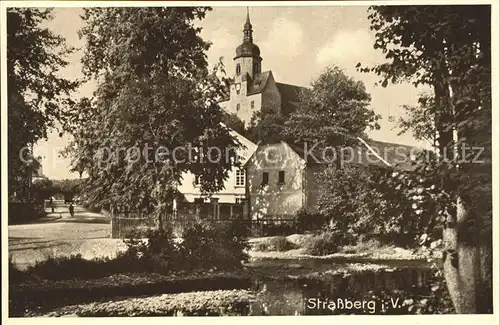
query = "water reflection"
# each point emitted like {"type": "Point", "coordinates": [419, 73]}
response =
{"type": "Point", "coordinates": [322, 292]}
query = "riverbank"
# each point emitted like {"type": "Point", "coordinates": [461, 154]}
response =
{"type": "Point", "coordinates": [363, 252]}
{"type": "Point", "coordinates": [256, 290]}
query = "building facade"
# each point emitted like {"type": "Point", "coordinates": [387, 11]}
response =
{"type": "Point", "coordinates": [231, 200]}
{"type": "Point", "coordinates": [283, 178]}
{"type": "Point", "coordinates": [280, 182]}
{"type": "Point", "coordinates": [251, 90]}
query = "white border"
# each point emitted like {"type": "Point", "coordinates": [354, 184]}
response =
{"type": "Point", "coordinates": [421, 319]}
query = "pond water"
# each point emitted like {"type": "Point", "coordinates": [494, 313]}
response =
{"type": "Point", "coordinates": [322, 287]}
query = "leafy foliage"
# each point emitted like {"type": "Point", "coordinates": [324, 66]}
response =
{"type": "Point", "coordinates": [37, 96]}
{"type": "Point", "coordinates": [266, 127]}
{"type": "Point", "coordinates": [42, 188]}
{"type": "Point", "coordinates": [233, 122]}
{"type": "Point", "coordinates": [334, 99]}
{"type": "Point", "coordinates": [155, 95]}
{"type": "Point", "coordinates": [328, 242]}
{"type": "Point", "coordinates": [336, 105]}
{"type": "Point", "coordinates": [449, 49]}
{"type": "Point", "coordinates": [360, 200]}
{"type": "Point", "coordinates": [204, 245]}
{"type": "Point", "coordinates": [307, 220]}
{"type": "Point", "coordinates": [275, 244]}
{"type": "Point", "coordinates": [75, 266]}
{"type": "Point", "coordinates": [208, 245]}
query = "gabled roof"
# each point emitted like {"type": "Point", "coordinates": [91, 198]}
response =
{"type": "Point", "coordinates": [290, 95]}
{"type": "Point", "coordinates": [393, 155]}
{"type": "Point", "coordinates": [258, 83]}
{"type": "Point", "coordinates": [247, 148]}
{"type": "Point", "coordinates": [362, 152]}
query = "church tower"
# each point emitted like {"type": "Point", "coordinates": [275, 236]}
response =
{"type": "Point", "coordinates": [247, 59]}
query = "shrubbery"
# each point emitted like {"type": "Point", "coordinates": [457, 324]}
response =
{"type": "Point", "coordinates": [204, 246]}
{"type": "Point", "coordinates": [365, 200]}
{"type": "Point", "coordinates": [275, 244]}
{"type": "Point", "coordinates": [75, 266]}
{"type": "Point", "coordinates": [277, 228]}
{"type": "Point", "coordinates": [309, 221]}
{"type": "Point", "coordinates": [324, 244]}
{"type": "Point", "coordinates": [209, 245]}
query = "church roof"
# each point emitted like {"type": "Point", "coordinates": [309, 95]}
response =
{"type": "Point", "coordinates": [247, 49]}
{"type": "Point", "coordinates": [290, 95]}
{"type": "Point", "coordinates": [258, 83]}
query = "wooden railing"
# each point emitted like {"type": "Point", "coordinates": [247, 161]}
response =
{"type": "Point", "coordinates": [122, 224]}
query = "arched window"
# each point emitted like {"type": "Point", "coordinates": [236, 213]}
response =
{"type": "Point", "coordinates": [238, 69]}
{"type": "Point", "coordinates": [256, 68]}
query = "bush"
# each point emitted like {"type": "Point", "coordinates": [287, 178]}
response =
{"type": "Point", "coordinates": [23, 212]}
{"type": "Point", "coordinates": [275, 244]}
{"type": "Point", "coordinates": [155, 248]}
{"type": "Point", "coordinates": [208, 245]}
{"type": "Point", "coordinates": [203, 245]}
{"type": "Point", "coordinates": [364, 245]}
{"type": "Point", "coordinates": [309, 221]}
{"type": "Point", "coordinates": [75, 266]}
{"type": "Point", "coordinates": [277, 228]}
{"type": "Point", "coordinates": [327, 242]}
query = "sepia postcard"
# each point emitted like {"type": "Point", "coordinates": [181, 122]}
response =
{"type": "Point", "coordinates": [262, 158]}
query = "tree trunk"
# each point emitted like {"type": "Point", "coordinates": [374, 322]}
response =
{"type": "Point", "coordinates": [468, 264]}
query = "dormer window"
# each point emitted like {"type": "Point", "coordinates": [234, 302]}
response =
{"type": "Point", "coordinates": [238, 69]}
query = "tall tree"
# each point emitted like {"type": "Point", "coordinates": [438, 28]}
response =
{"type": "Point", "coordinates": [449, 49]}
{"type": "Point", "coordinates": [155, 104]}
{"type": "Point", "coordinates": [266, 127]}
{"type": "Point", "coordinates": [419, 120]}
{"type": "Point", "coordinates": [232, 121]}
{"type": "Point", "coordinates": [38, 98]}
{"type": "Point", "coordinates": [336, 106]}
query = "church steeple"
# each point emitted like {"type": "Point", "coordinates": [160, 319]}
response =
{"type": "Point", "coordinates": [247, 30]}
{"type": "Point", "coordinates": [248, 60]}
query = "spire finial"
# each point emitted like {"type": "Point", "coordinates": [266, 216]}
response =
{"type": "Point", "coordinates": [247, 31]}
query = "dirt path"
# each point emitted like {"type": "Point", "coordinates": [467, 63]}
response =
{"type": "Point", "coordinates": [86, 233]}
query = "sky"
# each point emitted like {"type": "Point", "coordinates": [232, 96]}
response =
{"type": "Point", "coordinates": [296, 44]}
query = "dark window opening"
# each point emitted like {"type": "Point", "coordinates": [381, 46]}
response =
{"type": "Point", "coordinates": [265, 178]}
{"type": "Point", "coordinates": [252, 104]}
{"type": "Point", "coordinates": [237, 107]}
{"type": "Point", "coordinates": [238, 69]}
{"type": "Point", "coordinates": [256, 68]}
{"type": "Point", "coordinates": [281, 177]}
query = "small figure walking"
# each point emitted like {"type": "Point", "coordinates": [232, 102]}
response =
{"type": "Point", "coordinates": [71, 210]}
{"type": "Point", "coordinates": [51, 202]}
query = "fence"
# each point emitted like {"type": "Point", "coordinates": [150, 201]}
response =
{"type": "Point", "coordinates": [122, 224]}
